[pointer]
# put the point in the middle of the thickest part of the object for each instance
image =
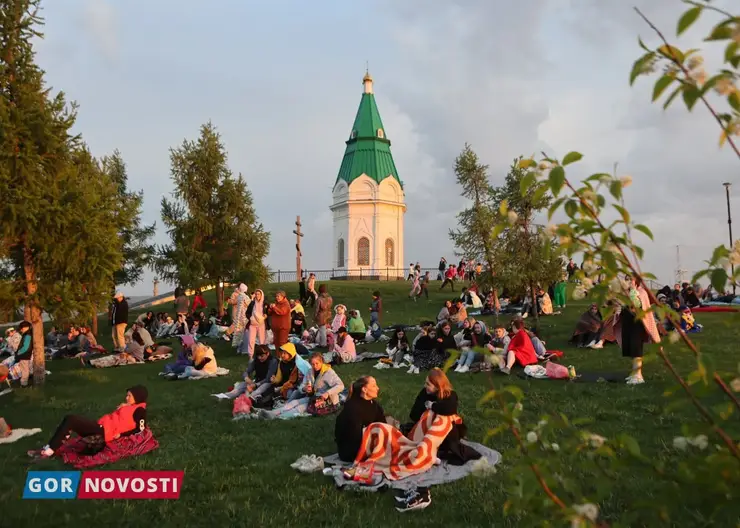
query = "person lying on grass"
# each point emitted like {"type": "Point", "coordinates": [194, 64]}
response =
{"type": "Point", "coordinates": [360, 410]}
{"type": "Point", "coordinates": [128, 418]}
{"type": "Point", "coordinates": [438, 396]}
{"type": "Point", "coordinates": [322, 389]}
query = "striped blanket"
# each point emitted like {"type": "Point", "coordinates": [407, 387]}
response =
{"type": "Point", "coordinates": [388, 451]}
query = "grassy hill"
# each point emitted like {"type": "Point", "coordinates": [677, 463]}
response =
{"type": "Point", "coordinates": [237, 473]}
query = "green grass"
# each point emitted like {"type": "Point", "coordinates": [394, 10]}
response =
{"type": "Point", "coordinates": [237, 473]}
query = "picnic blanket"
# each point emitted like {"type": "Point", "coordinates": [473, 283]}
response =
{"type": "Point", "coordinates": [75, 451]}
{"type": "Point", "coordinates": [434, 476]}
{"type": "Point", "coordinates": [397, 456]}
{"type": "Point", "coordinates": [715, 309]}
{"type": "Point", "coordinates": [17, 434]}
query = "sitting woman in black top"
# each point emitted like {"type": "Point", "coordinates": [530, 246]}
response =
{"type": "Point", "coordinates": [439, 397]}
{"type": "Point", "coordinates": [360, 411]}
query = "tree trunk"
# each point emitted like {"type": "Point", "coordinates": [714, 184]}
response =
{"type": "Point", "coordinates": [534, 306]}
{"type": "Point", "coordinates": [32, 314]}
{"type": "Point", "coordinates": [94, 322]}
{"type": "Point", "coordinates": [220, 297]}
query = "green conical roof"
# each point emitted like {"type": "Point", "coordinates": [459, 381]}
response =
{"type": "Point", "coordinates": [368, 148]}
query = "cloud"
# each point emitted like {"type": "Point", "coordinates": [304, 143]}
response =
{"type": "Point", "coordinates": [99, 20]}
{"type": "Point", "coordinates": [510, 78]}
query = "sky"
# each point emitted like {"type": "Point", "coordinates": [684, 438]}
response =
{"type": "Point", "coordinates": [282, 82]}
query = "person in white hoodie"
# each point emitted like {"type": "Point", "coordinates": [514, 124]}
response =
{"type": "Point", "coordinates": [256, 316]}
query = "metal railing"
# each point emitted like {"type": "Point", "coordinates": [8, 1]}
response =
{"type": "Point", "coordinates": [379, 274]}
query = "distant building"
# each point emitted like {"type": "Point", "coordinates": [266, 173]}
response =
{"type": "Point", "coordinates": [368, 198]}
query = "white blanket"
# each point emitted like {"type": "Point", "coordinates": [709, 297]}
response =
{"type": "Point", "coordinates": [17, 434]}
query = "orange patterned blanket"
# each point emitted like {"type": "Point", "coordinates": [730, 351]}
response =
{"type": "Point", "coordinates": [397, 456]}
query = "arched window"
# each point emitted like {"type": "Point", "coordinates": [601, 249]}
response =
{"type": "Point", "coordinates": [340, 253]}
{"type": "Point", "coordinates": [390, 253]}
{"type": "Point", "coordinates": [363, 252]}
{"type": "Point", "coordinates": [381, 135]}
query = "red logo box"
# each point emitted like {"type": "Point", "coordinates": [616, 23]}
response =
{"type": "Point", "coordinates": [130, 485]}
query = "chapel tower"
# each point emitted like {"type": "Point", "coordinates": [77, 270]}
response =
{"type": "Point", "coordinates": [368, 199]}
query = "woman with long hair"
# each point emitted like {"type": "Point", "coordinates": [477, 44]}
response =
{"type": "Point", "coordinates": [398, 347]}
{"type": "Point", "coordinates": [322, 314]}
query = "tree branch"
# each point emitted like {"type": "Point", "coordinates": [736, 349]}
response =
{"type": "Point", "coordinates": [674, 59]}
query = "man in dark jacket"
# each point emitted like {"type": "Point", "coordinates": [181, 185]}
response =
{"type": "Point", "coordinates": [119, 318]}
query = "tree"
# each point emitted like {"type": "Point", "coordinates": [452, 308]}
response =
{"type": "Point", "coordinates": [527, 255]}
{"type": "Point", "coordinates": [215, 235]}
{"type": "Point", "coordinates": [35, 141]}
{"type": "Point", "coordinates": [474, 237]}
{"type": "Point", "coordinates": [138, 251]}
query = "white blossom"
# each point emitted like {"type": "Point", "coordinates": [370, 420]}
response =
{"type": "Point", "coordinates": [519, 407]}
{"type": "Point", "coordinates": [735, 385]}
{"type": "Point", "coordinates": [626, 181]}
{"type": "Point", "coordinates": [587, 283]}
{"type": "Point", "coordinates": [615, 285]}
{"type": "Point", "coordinates": [589, 267]}
{"type": "Point", "coordinates": [579, 293]}
{"type": "Point", "coordinates": [555, 447]}
{"type": "Point", "coordinates": [734, 256]}
{"type": "Point", "coordinates": [512, 217]}
{"type": "Point", "coordinates": [673, 337]}
{"type": "Point", "coordinates": [700, 441]}
{"type": "Point", "coordinates": [589, 511]}
{"type": "Point", "coordinates": [531, 437]}
{"type": "Point", "coordinates": [680, 443]}
{"type": "Point", "coordinates": [596, 440]}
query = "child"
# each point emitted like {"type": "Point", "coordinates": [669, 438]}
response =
{"type": "Point", "coordinates": [340, 319]}
{"type": "Point", "coordinates": [376, 308]}
{"type": "Point", "coordinates": [415, 286]}
{"type": "Point", "coordinates": [297, 318]}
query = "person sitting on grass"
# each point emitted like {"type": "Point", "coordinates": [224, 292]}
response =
{"type": "Point", "coordinates": [431, 350]}
{"type": "Point", "coordinates": [128, 418]}
{"type": "Point", "coordinates": [398, 347]}
{"type": "Point", "coordinates": [444, 314]}
{"type": "Point", "coordinates": [184, 358]}
{"type": "Point", "coordinates": [322, 389]}
{"type": "Point", "coordinates": [21, 368]}
{"type": "Point", "coordinates": [500, 345]}
{"type": "Point", "coordinates": [344, 348]}
{"type": "Point", "coordinates": [259, 372]}
{"type": "Point", "coordinates": [438, 396]}
{"type": "Point", "coordinates": [588, 329]}
{"type": "Point", "coordinates": [459, 315]}
{"type": "Point", "coordinates": [476, 338]}
{"type": "Point", "coordinates": [356, 326]}
{"type": "Point", "coordinates": [292, 370]}
{"type": "Point", "coordinates": [521, 350]}
{"type": "Point", "coordinates": [204, 362]}
{"type": "Point", "coordinates": [360, 410]}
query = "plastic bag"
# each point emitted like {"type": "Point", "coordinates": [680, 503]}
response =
{"type": "Point", "coordinates": [242, 405]}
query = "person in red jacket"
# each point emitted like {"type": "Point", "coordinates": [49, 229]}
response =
{"type": "Point", "coordinates": [199, 301]}
{"type": "Point", "coordinates": [127, 419]}
{"type": "Point", "coordinates": [280, 319]}
{"type": "Point", "coordinates": [520, 349]}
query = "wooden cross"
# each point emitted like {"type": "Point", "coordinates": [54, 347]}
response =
{"type": "Point", "coordinates": [298, 235]}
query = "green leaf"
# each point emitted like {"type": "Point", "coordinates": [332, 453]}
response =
{"type": "Point", "coordinates": [690, 95]}
{"type": "Point", "coordinates": [722, 31]}
{"type": "Point", "coordinates": [718, 279]}
{"type": "Point", "coordinates": [625, 214]}
{"type": "Point", "coordinates": [503, 208]}
{"type": "Point", "coordinates": [661, 84]}
{"type": "Point", "coordinates": [571, 208]}
{"type": "Point", "coordinates": [719, 253]}
{"type": "Point", "coordinates": [671, 97]}
{"type": "Point", "coordinates": [731, 50]}
{"type": "Point", "coordinates": [638, 68]}
{"type": "Point", "coordinates": [572, 157]}
{"type": "Point", "coordinates": [734, 100]}
{"type": "Point", "coordinates": [554, 207]}
{"type": "Point", "coordinates": [539, 193]}
{"type": "Point", "coordinates": [688, 18]}
{"type": "Point", "coordinates": [527, 182]}
{"type": "Point", "coordinates": [644, 230]}
{"type": "Point", "coordinates": [672, 53]}
{"type": "Point", "coordinates": [557, 178]}
{"type": "Point", "coordinates": [615, 188]}
{"type": "Point", "coordinates": [642, 44]}
{"type": "Point", "coordinates": [527, 163]}
{"type": "Point", "coordinates": [630, 444]}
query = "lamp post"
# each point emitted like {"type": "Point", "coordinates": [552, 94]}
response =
{"type": "Point", "coordinates": [729, 226]}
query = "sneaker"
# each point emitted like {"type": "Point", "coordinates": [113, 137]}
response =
{"type": "Point", "coordinates": [410, 370]}
{"type": "Point", "coordinates": [591, 344]}
{"type": "Point", "coordinates": [463, 369]}
{"type": "Point", "coordinates": [406, 496]}
{"type": "Point", "coordinates": [506, 370]}
{"type": "Point", "coordinates": [598, 345]}
{"type": "Point", "coordinates": [635, 380]}
{"type": "Point", "coordinates": [457, 368]}
{"type": "Point", "coordinates": [419, 502]}
{"type": "Point", "coordinates": [416, 370]}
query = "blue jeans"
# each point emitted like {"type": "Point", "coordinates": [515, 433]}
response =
{"type": "Point", "coordinates": [467, 358]}
{"type": "Point", "coordinates": [374, 318]}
